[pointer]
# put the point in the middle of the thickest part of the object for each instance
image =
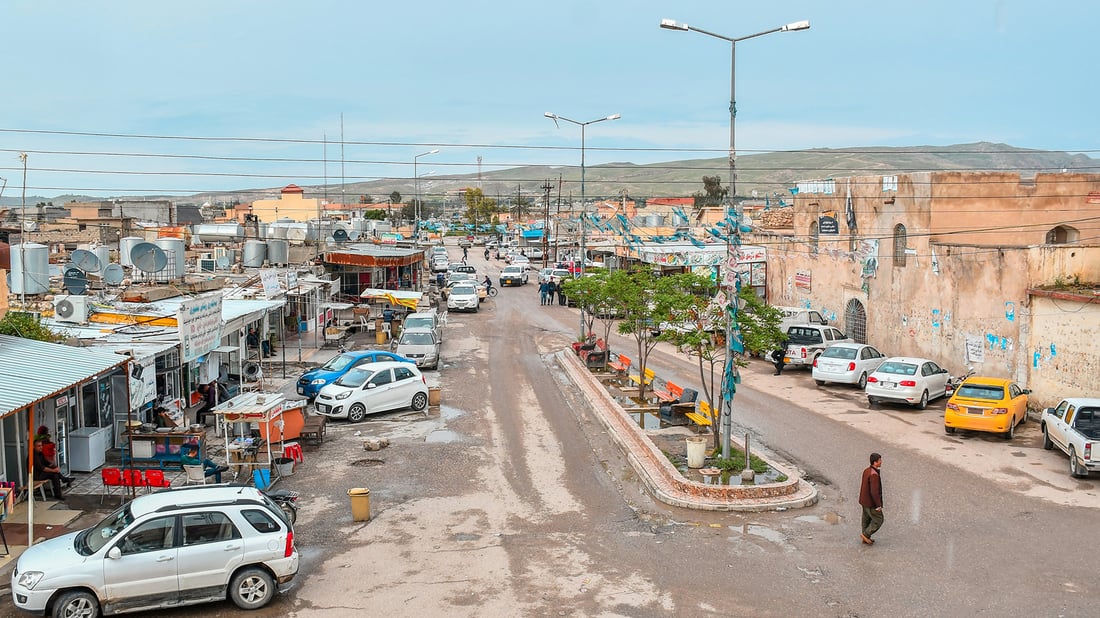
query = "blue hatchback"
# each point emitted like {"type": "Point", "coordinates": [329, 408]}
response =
{"type": "Point", "coordinates": [314, 380]}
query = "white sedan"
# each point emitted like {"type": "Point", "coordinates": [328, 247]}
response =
{"type": "Point", "coordinates": [847, 363]}
{"type": "Point", "coordinates": [374, 387]}
{"type": "Point", "coordinates": [901, 379]}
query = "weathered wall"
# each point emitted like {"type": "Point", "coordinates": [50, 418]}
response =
{"type": "Point", "coordinates": [1062, 355]}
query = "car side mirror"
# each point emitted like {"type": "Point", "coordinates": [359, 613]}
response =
{"type": "Point", "coordinates": [1026, 391]}
{"type": "Point", "coordinates": [1049, 411]}
{"type": "Point", "coordinates": [370, 385]}
{"type": "Point", "coordinates": [114, 553]}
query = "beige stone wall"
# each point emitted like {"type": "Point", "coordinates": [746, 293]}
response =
{"type": "Point", "coordinates": [292, 205]}
{"type": "Point", "coordinates": [1062, 352]}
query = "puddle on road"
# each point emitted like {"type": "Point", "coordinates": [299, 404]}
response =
{"type": "Point", "coordinates": [441, 436]}
{"type": "Point", "coordinates": [763, 532]}
{"type": "Point", "coordinates": [828, 518]}
{"type": "Point", "coordinates": [448, 413]}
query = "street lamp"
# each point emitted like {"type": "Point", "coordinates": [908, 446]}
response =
{"type": "Point", "coordinates": [416, 183]}
{"type": "Point", "coordinates": [732, 221]}
{"type": "Point", "coordinates": [582, 125]}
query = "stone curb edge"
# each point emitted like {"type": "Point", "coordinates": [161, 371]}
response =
{"type": "Point", "coordinates": [656, 473]}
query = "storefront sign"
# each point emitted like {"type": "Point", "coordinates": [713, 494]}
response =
{"type": "Point", "coordinates": [200, 325]}
{"type": "Point", "coordinates": [827, 225]}
{"type": "Point", "coordinates": [269, 278]}
{"type": "Point", "coordinates": [802, 280]}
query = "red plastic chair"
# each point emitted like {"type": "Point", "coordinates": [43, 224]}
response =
{"type": "Point", "coordinates": [155, 478]}
{"type": "Point", "coordinates": [132, 478]}
{"type": "Point", "coordinates": [112, 477]}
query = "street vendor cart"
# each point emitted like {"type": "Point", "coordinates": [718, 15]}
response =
{"type": "Point", "coordinates": [251, 422]}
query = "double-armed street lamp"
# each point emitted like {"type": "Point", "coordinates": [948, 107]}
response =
{"type": "Point", "coordinates": [732, 220]}
{"type": "Point", "coordinates": [416, 181]}
{"type": "Point", "coordinates": [584, 205]}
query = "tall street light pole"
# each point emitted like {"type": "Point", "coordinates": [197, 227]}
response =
{"type": "Point", "coordinates": [584, 205]}
{"type": "Point", "coordinates": [416, 183]}
{"type": "Point", "coordinates": [729, 378]}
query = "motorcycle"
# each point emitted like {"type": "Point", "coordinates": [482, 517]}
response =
{"type": "Point", "coordinates": [287, 501]}
{"type": "Point", "coordinates": [954, 382]}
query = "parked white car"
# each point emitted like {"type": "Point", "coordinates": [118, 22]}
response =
{"type": "Point", "coordinates": [372, 388]}
{"type": "Point", "coordinates": [420, 345]}
{"type": "Point", "coordinates": [463, 297]}
{"type": "Point", "coordinates": [174, 547]}
{"type": "Point", "coordinates": [424, 319]}
{"type": "Point", "coordinates": [902, 379]}
{"type": "Point", "coordinates": [847, 363]}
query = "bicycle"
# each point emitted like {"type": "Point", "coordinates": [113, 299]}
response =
{"type": "Point", "coordinates": [490, 291]}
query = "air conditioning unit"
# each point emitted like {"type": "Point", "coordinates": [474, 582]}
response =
{"type": "Point", "coordinates": [71, 308]}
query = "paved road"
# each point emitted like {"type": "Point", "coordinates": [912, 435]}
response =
{"type": "Point", "coordinates": [512, 502]}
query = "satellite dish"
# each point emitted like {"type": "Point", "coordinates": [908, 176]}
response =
{"type": "Point", "coordinates": [85, 260]}
{"type": "Point", "coordinates": [113, 274]}
{"type": "Point", "coordinates": [75, 281]}
{"type": "Point", "coordinates": [354, 235]}
{"type": "Point", "coordinates": [340, 236]}
{"type": "Point", "coordinates": [222, 261]}
{"type": "Point", "coordinates": [30, 226]}
{"type": "Point", "coordinates": [148, 257]}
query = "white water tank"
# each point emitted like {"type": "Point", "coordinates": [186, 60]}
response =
{"type": "Point", "coordinates": [103, 252]}
{"type": "Point", "coordinates": [278, 252]}
{"type": "Point", "coordinates": [218, 232]}
{"type": "Point", "coordinates": [30, 269]}
{"type": "Point", "coordinates": [174, 250]}
{"type": "Point", "coordinates": [125, 245]}
{"type": "Point", "coordinates": [255, 252]}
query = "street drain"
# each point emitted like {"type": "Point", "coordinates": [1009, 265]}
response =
{"type": "Point", "coordinates": [367, 462]}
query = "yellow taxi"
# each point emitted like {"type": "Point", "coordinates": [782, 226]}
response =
{"type": "Point", "coordinates": [994, 405]}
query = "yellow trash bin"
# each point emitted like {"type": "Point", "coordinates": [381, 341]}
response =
{"type": "Point", "coordinates": [360, 503]}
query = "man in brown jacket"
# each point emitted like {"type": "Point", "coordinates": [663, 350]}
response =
{"type": "Point", "coordinates": [870, 498]}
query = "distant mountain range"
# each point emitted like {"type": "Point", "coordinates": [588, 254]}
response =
{"type": "Point", "coordinates": [764, 174]}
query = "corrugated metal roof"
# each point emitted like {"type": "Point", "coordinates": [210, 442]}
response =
{"type": "Point", "coordinates": [33, 370]}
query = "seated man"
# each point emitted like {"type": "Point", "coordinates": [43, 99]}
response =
{"type": "Point", "coordinates": [44, 469]}
{"type": "Point", "coordinates": [189, 456]}
{"type": "Point", "coordinates": [255, 342]}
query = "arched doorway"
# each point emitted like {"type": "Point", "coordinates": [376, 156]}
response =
{"type": "Point", "coordinates": [855, 321]}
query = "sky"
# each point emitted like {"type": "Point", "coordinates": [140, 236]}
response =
{"type": "Point", "coordinates": [130, 97]}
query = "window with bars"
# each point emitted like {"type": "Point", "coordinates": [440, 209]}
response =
{"type": "Point", "coordinates": [900, 238]}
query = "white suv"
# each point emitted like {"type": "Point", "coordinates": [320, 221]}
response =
{"type": "Point", "coordinates": [167, 549]}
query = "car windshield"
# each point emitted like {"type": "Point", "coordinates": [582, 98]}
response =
{"type": "Point", "coordinates": [338, 363]}
{"type": "Point", "coordinates": [355, 378]}
{"type": "Point", "coordinates": [93, 539]}
{"type": "Point", "coordinates": [900, 369]}
{"type": "Point", "coordinates": [417, 339]}
{"type": "Point", "coordinates": [982, 391]}
{"type": "Point", "coordinates": [464, 289]}
{"type": "Point", "coordinates": [840, 352]}
{"type": "Point", "coordinates": [418, 323]}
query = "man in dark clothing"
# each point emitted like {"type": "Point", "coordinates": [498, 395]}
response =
{"type": "Point", "coordinates": [551, 291]}
{"type": "Point", "coordinates": [254, 341]}
{"type": "Point", "coordinates": [778, 357]}
{"type": "Point", "coordinates": [209, 400]}
{"type": "Point", "coordinates": [870, 498]}
{"type": "Point", "coordinates": [44, 469]}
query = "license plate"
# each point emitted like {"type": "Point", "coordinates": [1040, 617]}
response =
{"type": "Point", "coordinates": [890, 384]}
{"type": "Point", "coordinates": [978, 411]}
{"type": "Point", "coordinates": [322, 407]}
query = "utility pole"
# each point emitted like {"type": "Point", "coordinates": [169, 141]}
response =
{"type": "Point", "coordinates": [546, 223]}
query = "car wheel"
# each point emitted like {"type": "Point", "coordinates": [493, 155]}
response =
{"type": "Point", "coordinates": [820, 382]}
{"type": "Point", "coordinates": [923, 403]}
{"type": "Point", "coordinates": [1024, 418]}
{"type": "Point", "coordinates": [1074, 470]}
{"type": "Point", "coordinates": [1048, 444]}
{"type": "Point", "coordinates": [862, 380]}
{"type": "Point", "coordinates": [420, 401]}
{"type": "Point", "coordinates": [1011, 433]}
{"type": "Point", "coordinates": [251, 588]}
{"type": "Point", "coordinates": [76, 603]}
{"type": "Point", "coordinates": [357, 412]}
{"type": "Point", "coordinates": [948, 429]}
{"type": "Point", "coordinates": [871, 401]}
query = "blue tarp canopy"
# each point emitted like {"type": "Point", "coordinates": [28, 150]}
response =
{"type": "Point", "coordinates": [532, 233]}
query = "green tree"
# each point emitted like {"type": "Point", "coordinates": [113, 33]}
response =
{"type": "Point", "coordinates": [26, 325]}
{"type": "Point", "coordinates": [479, 207]}
{"type": "Point", "coordinates": [376, 215]}
{"type": "Point", "coordinates": [395, 197]}
{"type": "Point", "coordinates": [713, 192]}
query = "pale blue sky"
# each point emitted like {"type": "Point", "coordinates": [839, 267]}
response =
{"type": "Point", "coordinates": [476, 77]}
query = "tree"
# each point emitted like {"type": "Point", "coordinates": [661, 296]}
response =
{"type": "Point", "coordinates": [590, 295]}
{"type": "Point", "coordinates": [395, 197]}
{"type": "Point", "coordinates": [713, 192]}
{"type": "Point", "coordinates": [26, 325]}
{"type": "Point", "coordinates": [479, 207]}
{"type": "Point", "coordinates": [373, 214]}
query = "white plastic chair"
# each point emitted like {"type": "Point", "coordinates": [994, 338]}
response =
{"type": "Point", "coordinates": [196, 475]}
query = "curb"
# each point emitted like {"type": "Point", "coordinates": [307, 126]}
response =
{"type": "Point", "coordinates": [665, 482]}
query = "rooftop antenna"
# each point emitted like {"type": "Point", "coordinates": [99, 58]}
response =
{"type": "Point", "coordinates": [23, 235]}
{"type": "Point", "coordinates": [478, 171]}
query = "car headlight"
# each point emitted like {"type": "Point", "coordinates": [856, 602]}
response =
{"type": "Point", "coordinates": [343, 395]}
{"type": "Point", "coordinates": [30, 579]}
{"type": "Point", "coordinates": [317, 381]}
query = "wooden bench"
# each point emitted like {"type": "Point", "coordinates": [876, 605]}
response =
{"type": "Point", "coordinates": [704, 417]}
{"type": "Point", "coordinates": [621, 365]}
{"type": "Point", "coordinates": [314, 428]}
{"type": "Point", "coordinates": [670, 394]}
{"type": "Point", "coordinates": [649, 375]}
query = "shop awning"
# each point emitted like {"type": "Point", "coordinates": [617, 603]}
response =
{"type": "Point", "coordinates": [31, 371]}
{"type": "Point", "coordinates": [394, 297]}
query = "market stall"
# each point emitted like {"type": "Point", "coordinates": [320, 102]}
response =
{"type": "Point", "coordinates": [251, 422]}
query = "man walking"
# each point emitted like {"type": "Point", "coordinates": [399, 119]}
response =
{"type": "Point", "coordinates": [870, 498]}
{"type": "Point", "coordinates": [544, 288]}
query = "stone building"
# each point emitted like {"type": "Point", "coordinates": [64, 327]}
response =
{"type": "Point", "coordinates": [983, 269]}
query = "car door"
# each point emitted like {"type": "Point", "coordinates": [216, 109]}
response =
{"type": "Point", "coordinates": [869, 360]}
{"type": "Point", "coordinates": [211, 548]}
{"type": "Point", "coordinates": [380, 395]}
{"type": "Point", "coordinates": [935, 379]}
{"type": "Point", "coordinates": [405, 385]}
{"type": "Point", "coordinates": [1017, 402]}
{"type": "Point", "coordinates": [1056, 424]}
{"type": "Point", "coordinates": [145, 573]}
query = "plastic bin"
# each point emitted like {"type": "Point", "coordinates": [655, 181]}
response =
{"type": "Point", "coordinates": [360, 503]}
{"type": "Point", "coordinates": [696, 451]}
{"type": "Point", "coordinates": [285, 466]}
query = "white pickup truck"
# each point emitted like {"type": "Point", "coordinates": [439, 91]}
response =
{"type": "Point", "coordinates": [793, 316]}
{"type": "Point", "coordinates": [1074, 427]}
{"type": "Point", "coordinates": [807, 341]}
